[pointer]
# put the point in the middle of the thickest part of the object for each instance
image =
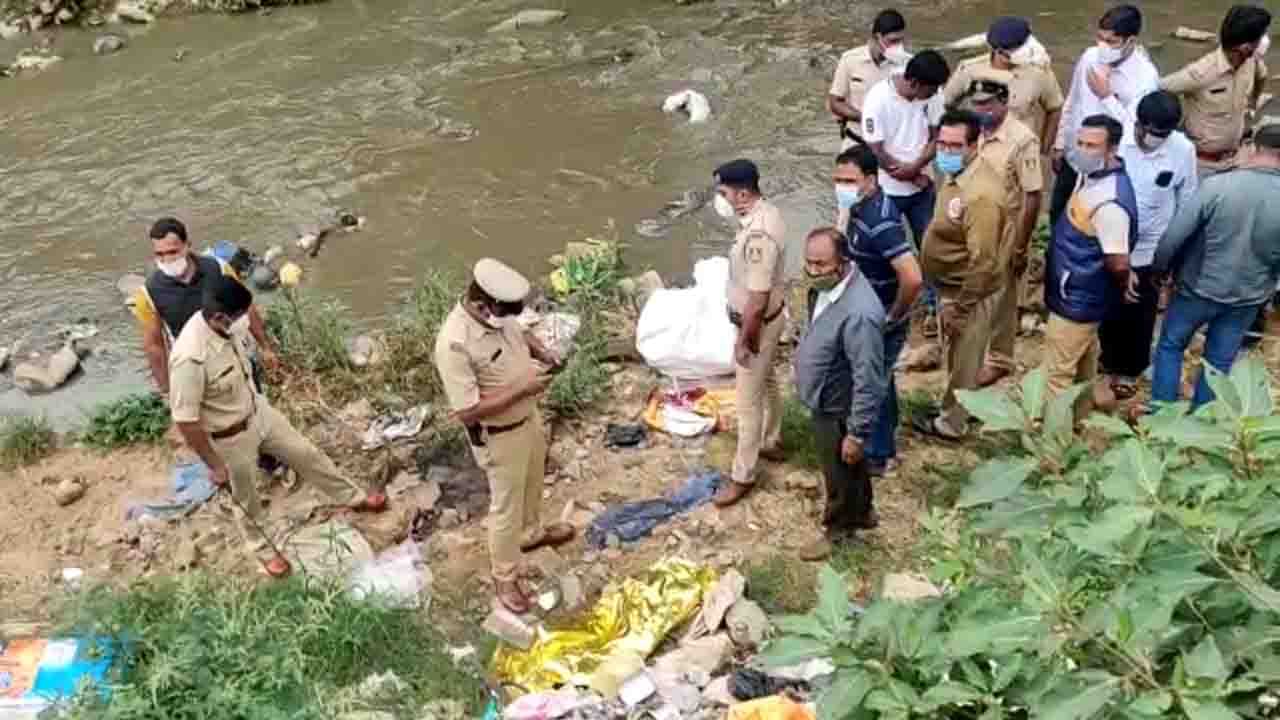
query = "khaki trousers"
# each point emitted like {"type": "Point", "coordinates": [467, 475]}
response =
{"type": "Point", "coordinates": [759, 405]}
{"type": "Point", "coordinates": [964, 358]}
{"type": "Point", "coordinates": [1071, 352]}
{"type": "Point", "coordinates": [515, 463]}
{"type": "Point", "coordinates": [270, 432]}
{"type": "Point", "coordinates": [1004, 330]}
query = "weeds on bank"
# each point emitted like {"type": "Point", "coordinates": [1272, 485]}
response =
{"type": "Point", "coordinates": [798, 441]}
{"type": "Point", "coordinates": [200, 646]}
{"type": "Point", "coordinates": [24, 440]}
{"type": "Point", "coordinates": [780, 584]}
{"type": "Point", "coordinates": [310, 332]}
{"type": "Point", "coordinates": [131, 420]}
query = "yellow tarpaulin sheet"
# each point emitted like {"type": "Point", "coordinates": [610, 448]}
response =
{"type": "Point", "coordinates": [627, 624]}
{"type": "Point", "coordinates": [770, 708]}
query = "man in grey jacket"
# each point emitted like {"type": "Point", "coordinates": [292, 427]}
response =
{"type": "Point", "coordinates": [842, 379]}
{"type": "Point", "coordinates": [1224, 246]}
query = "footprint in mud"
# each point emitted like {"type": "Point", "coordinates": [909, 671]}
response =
{"type": "Point", "coordinates": [691, 201]}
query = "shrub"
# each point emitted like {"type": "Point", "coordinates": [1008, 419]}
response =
{"type": "Point", "coordinates": [410, 368]}
{"type": "Point", "coordinates": [797, 435]}
{"type": "Point", "coordinates": [201, 646]}
{"type": "Point", "coordinates": [138, 418]}
{"type": "Point", "coordinates": [310, 333]}
{"type": "Point", "coordinates": [24, 440]}
{"type": "Point", "coordinates": [1133, 582]}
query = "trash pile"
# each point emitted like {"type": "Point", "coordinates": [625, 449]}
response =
{"type": "Point", "coordinates": [37, 673]}
{"type": "Point", "coordinates": [618, 661]}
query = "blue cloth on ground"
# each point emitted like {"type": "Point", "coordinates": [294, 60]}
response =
{"type": "Point", "coordinates": [192, 487]}
{"type": "Point", "coordinates": [634, 520]}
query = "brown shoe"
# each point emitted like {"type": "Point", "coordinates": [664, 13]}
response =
{"type": "Point", "coordinates": [776, 455]}
{"type": "Point", "coordinates": [990, 375]}
{"type": "Point", "coordinates": [553, 535]}
{"type": "Point", "coordinates": [818, 550]}
{"type": "Point", "coordinates": [372, 503]}
{"type": "Point", "coordinates": [277, 568]}
{"type": "Point", "coordinates": [731, 493]}
{"type": "Point", "coordinates": [509, 595]}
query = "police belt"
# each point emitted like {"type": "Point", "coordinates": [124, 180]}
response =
{"type": "Point", "coordinates": [232, 431]}
{"type": "Point", "coordinates": [477, 439]}
{"type": "Point", "coordinates": [735, 317]}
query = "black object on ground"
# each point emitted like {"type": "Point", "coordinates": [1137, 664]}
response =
{"type": "Point", "coordinates": [627, 435]}
{"type": "Point", "coordinates": [748, 684]}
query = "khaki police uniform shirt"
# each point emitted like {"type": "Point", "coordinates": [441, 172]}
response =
{"type": "Point", "coordinates": [758, 260]}
{"type": "Point", "coordinates": [474, 360]}
{"type": "Point", "coordinates": [1034, 91]}
{"type": "Point", "coordinates": [855, 74]}
{"type": "Point", "coordinates": [209, 378]}
{"type": "Point", "coordinates": [964, 245]}
{"type": "Point", "coordinates": [1216, 99]}
{"type": "Point", "coordinates": [1012, 156]}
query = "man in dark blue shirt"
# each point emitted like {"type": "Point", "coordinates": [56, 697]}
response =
{"type": "Point", "coordinates": [879, 247]}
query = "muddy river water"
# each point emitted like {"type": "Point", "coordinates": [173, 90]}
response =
{"type": "Point", "coordinates": [452, 141]}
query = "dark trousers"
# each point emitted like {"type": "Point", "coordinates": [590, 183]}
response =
{"type": "Point", "coordinates": [1063, 186]}
{"type": "Point", "coordinates": [1127, 332]}
{"type": "Point", "coordinates": [848, 486]}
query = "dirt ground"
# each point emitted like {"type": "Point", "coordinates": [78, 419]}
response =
{"type": "Point", "coordinates": [38, 539]}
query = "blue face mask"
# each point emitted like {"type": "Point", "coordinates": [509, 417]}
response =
{"type": "Point", "coordinates": [847, 196]}
{"type": "Point", "coordinates": [950, 163]}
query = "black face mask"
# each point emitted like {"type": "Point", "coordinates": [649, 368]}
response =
{"type": "Point", "coordinates": [508, 309]}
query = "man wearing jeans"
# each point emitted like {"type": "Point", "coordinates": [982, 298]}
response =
{"type": "Point", "coordinates": [841, 378]}
{"type": "Point", "coordinates": [1224, 245]}
{"type": "Point", "coordinates": [879, 248]}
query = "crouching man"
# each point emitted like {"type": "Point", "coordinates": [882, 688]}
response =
{"type": "Point", "coordinates": [841, 378]}
{"type": "Point", "coordinates": [227, 423]}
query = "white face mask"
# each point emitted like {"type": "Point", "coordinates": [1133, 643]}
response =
{"type": "Point", "coordinates": [1023, 55]}
{"type": "Point", "coordinates": [1087, 163]}
{"type": "Point", "coordinates": [1151, 143]}
{"type": "Point", "coordinates": [173, 268]}
{"type": "Point", "coordinates": [1110, 55]}
{"type": "Point", "coordinates": [240, 326]}
{"type": "Point", "coordinates": [896, 54]}
{"type": "Point", "coordinates": [1263, 46]}
{"type": "Point", "coordinates": [723, 208]}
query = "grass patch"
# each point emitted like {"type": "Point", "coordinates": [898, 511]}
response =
{"type": "Point", "coordinates": [913, 404]}
{"type": "Point", "coordinates": [131, 420]}
{"type": "Point", "coordinates": [945, 483]}
{"type": "Point", "coordinates": [24, 440]}
{"type": "Point", "coordinates": [203, 647]}
{"type": "Point", "coordinates": [780, 585]}
{"type": "Point", "coordinates": [410, 368]}
{"type": "Point", "coordinates": [798, 441]}
{"type": "Point", "coordinates": [309, 332]}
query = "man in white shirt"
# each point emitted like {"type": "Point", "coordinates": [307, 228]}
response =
{"type": "Point", "coordinates": [1109, 79]}
{"type": "Point", "coordinates": [1161, 164]}
{"type": "Point", "coordinates": [862, 67]}
{"type": "Point", "coordinates": [900, 123]}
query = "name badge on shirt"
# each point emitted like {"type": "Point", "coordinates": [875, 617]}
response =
{"type": "Point", "coordinates": [955, 209]}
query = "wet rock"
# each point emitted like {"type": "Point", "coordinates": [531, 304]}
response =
{"type": "Point", "coordinates": [264, 277]}
{"type": "Point", "coordinates": [108, 44]}
{"type": "Point", "coordinates": [49, 376]}
{"type": "Point", "coordinates": [28, 60]}
{"type": "Point", "coordinates": [134, 13]}
{"type": "Point", "coordinates": [905, 587]}
{"type": "Point", "coordinates": [69, 491]}
{"type": "Point", "coordinates": [748, 624]}
{"type": "Point", "coordinates": [530, 18]}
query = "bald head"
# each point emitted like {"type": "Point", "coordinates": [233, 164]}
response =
{"type": "Point", "coordinates": [824, 254]}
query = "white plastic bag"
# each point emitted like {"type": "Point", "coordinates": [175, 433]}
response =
{"type": "Point", "coordinates": [397, 577]}
{"type": "Point", "coordinates": [686, 333]}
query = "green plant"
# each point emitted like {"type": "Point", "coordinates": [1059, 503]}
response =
{"type": "Point", "coordinates": [1137, 582]}
{"type": "Point", "coordinates": [24, 440]}
{"type": "Point", "coordinates": [410, 367]}
{"type": "Point", "coordinates": [797, 435]}
{"type": "Point", "coordinates": [1040, 236]}
{"type": "Point", "coordinates": [779, 584]}
{"type": "Point", "coordinates": [590, 275]}
{"type": "Point", "coordinates": [133, 419]}
{"type": "Point", "coordinates": [309, 332]}
{"type": "Point", "coordinates": [584, 380]}
{"type": "Point", "coordinates": [201, 646]}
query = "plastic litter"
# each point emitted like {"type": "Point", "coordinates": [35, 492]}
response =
{"type": "Point", "coordinates": [555, 331]}
{"type": "Point", "coordinates": [776, 707]}
{"type": "Point", "coordinates": [807, 671]}
{"type": "Point", "coordinates": [727, 591]}
{"type": "Point", "coordinates": [395, 426]}
{"type": "Point", "coordinates": [748, 684]}
{"type": "Point", "coordinates": [192, 487]}
{"type": "Point", "coordinates": [634, 520]}
{"type": "Point", "coordinates": [686, 413]}
{"type": "Point", "coordinates": [686, 333]}
{"type": "Point", "coordinates": [692, 102]}
{"type": "Point", "coordinates": [397, 577]}
{"type": "Point", "coordinates": [545, 706]}
{"type": "Point", "coordinates": [332, 549]}
{"type": "Point", "coordinates": [624, 436]}
{"type": "Point", "coordinates": [636, 690]}
{"type": "Point", "coordinates": [37, 672]}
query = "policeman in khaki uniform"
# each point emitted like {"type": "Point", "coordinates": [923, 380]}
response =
{"type": "Point", "coordinates": [1034, 93]}
{"type": "Point", "coordinates": [756, 302]}
{"type": "Point", "coordinates": [1010, 153]}
{"type": "Point", "coordinates": [485, 360]}
{"type": "Point", "coordinates": [1220, 89]}
{"type": "Point", "coordinates": [226, 423]}
{"type": "Point", "coordinates": [863, 67]}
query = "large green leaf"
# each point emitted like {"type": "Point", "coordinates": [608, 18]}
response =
{"type": "Point", "coordinates": [805, 625]}
{"type": "Point", "coordinates": [1115, 525]}
{"type": "Point", "coordinates": [994, 408]}
{"type": "Point", "coordinates": [1253, 384]}
{"type": "Point", "coordinates": [1208, 711]}
{"type": "Point", "coordinates": [979, 635]}
{"type": "Point", "coordinates": [948, 693]}
{"type": "Point", "coordinates": [1227, 401]}
{"type": "Point", "coordinates": [996, 480]}
{"type": "Point", "coordinates": [1205, 661]}
{"type": "Point", "coordinates": [845, 694]}
{"type": "Point", "coordinates": [1136, 463]}
{"type": "Point", "coordinates": [1060, 416]}
{"type": "Point", "coordinates": [1032, 388]}
{"type": "Point", "coordinates": [1191, 432]}
{"type": "Point", "coordinates": [833, 601]}
{"type": "Point", "coordinates": [1109, 424]}
{"type": "Point", "coordinates": [1093, 692]}
{"type": "Point", "coordinates": [1151, 704]}
{"type": "Point", "coordinates": [793, 649]}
